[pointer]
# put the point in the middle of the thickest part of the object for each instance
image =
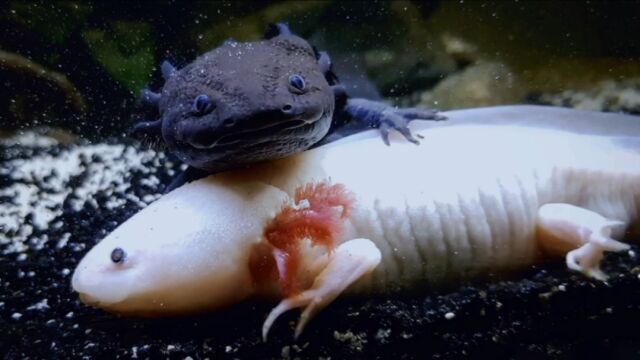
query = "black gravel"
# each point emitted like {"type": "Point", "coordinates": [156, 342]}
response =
{"type": "Point", "coordinates": [542, 312]}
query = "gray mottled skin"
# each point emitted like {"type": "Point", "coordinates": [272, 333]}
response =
{"type": "Point", "coordinates": [249, 82]}
{"type": "Point", "coordinates": [255, 112]}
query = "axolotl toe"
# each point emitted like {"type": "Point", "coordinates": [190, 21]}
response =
{"type": "Point", "coordinates": [246, 102]}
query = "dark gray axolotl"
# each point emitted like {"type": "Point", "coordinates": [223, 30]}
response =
{"type": "Point", "coordinates": [245, 102]}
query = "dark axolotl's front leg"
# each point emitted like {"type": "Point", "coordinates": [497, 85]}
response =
{"type": "Point", "coordinates": [357, 115]}
{"type": "Point", "coordinates": [373, 114]}
{"type": "Point", "coordinates": [354, 115]}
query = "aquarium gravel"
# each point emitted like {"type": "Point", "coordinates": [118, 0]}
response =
{"type": "Point", "coordinates": [58, 200]}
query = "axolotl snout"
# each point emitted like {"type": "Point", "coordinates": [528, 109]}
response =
{"type": "Point", "coordinates": [491, 190]}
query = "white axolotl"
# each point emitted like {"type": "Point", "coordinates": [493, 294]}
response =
{"type": "Point", "coordinates": [488, 190]}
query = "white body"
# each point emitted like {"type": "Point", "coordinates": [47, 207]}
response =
{"type": "Point", "coordinates": [464, 202]}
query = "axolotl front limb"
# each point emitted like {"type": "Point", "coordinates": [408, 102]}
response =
{"type": "Point", "coordinates": [491, 190]}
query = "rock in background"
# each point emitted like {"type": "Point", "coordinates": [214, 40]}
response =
{"type": "Point", "coordinates": [609, 95]}
{"type": "Point", "coordinates": [480, 84]}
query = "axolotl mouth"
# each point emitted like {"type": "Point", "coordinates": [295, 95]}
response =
{"type": "Point", "coordinates": [91, 301]}
{"type": "Point", "coordinates": [96, 296]}
{"type": "Point", "coordinates": [258, 128]}
{"type": "Point", "coordinates": [219, 149]}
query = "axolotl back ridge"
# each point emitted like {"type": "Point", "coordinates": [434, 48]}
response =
{"type": "Point", "coordinates": [246, 102]}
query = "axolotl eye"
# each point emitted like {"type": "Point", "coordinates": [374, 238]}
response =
{"type": "Point", "coordinates": [202, 105]}
{"type": "Point", "coordinates": [118, 255]}
{"type": "Point", "coordinates": [296, 84]}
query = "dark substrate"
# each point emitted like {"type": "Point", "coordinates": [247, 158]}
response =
{"type": "Point", "coordinates": [543, 312]}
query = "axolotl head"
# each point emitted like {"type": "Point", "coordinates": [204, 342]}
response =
{"type": "Point", "coordinates": [245, 102]}
{"type": "Point", "coordinates": [187, 252]}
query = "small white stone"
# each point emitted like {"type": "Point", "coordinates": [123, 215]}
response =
{"type": "Point", "coordinates": [450, 315]}
{"type": "Point", "coordinates": [41, 305]}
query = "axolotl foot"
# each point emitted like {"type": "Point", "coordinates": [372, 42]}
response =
{"type": "Point", "coordinates": [373, 114]}
{"type": "Point", "coordinates": [398, 119]}
{"type": "Point", "coordinates": [350, 261]}
{"type": "Point", "coordinates": [581, 234]}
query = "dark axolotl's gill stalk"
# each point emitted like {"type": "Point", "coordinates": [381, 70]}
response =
{"type": "Point", "coordinates": [245, 102]}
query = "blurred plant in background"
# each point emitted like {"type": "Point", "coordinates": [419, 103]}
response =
{"type": "Point", "coordinates": [125, 50]}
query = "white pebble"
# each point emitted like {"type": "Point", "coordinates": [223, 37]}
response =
{"type": "Point", "coordinates": [16, 316]}
{"type": "Point", "coordinates": [450, 315]}
{"type": "Point", "coordinates": [41, 305]}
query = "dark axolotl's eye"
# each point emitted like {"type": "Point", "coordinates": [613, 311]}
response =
{"type": "Point", "coordinates": [296, 84]}
{"type": "Point", "coordinates": [202, 105]}
{"type": "Point", "coordinates": [118, 255]}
